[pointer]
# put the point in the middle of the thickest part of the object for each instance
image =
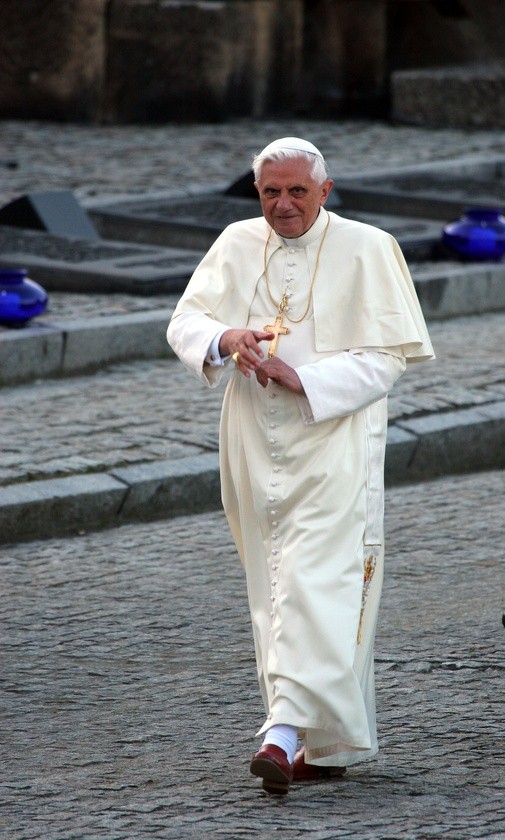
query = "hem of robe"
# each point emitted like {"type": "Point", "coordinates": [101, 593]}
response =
{"type": "Point", "coordinates": [319, 728]}
{"type": "Point", "coordinates": [336, 756]}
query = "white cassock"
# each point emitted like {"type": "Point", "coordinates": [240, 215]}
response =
{"type": "Point", "coordinates": [302, 476]}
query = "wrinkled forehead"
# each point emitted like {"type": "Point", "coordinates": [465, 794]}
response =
{"type": "Point", "coordinates": [287, 173]}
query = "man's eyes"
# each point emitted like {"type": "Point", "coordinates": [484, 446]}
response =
{"type": "Point", "coordinates": [298, 191]}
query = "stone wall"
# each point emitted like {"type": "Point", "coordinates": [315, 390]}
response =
{"type": "Point", "coordinates": [447, 63]}
{"type": "Point", "coordinates": [197, 60]}
{"type": "Point", "coordinates": [344, 56]}
{"type": "Point", "coordinates": [429, 33]}
{"type": "Point", "coordinates": [207, 60]}
{"type": "Point", "coordinates": [471, 96]}
{"type": "Point", "coordinates": [52, 57]}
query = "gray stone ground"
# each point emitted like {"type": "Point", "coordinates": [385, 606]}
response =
{"type": "Point", "coordinates": [128, 696]}
{"type": "Point", "coordinates": [106, 161]}
{"type": "Point", "coordinates": [130, 703]}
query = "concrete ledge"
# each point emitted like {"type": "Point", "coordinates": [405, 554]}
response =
{"type": "Point", "coordinates": [59, 506]}
{"type": "Point", "coordinates": [64, 506]}
{"type": "Point", "coordinates": [30, 353]}
{"type": "Point", "coordinates": [96, 341]}
{"type": "Point", "coordinates": [457, 441]}
{"type": "Point", "coordinates": [439, 190]}
{"type": "Point", "coordinates": [71, 347]}
{"type": "Point", "coordinates": [400, 449]}
{"type": "Point", "coordinates": [463, 290]}
{"type": "Point", "coordinates": [169, 488]}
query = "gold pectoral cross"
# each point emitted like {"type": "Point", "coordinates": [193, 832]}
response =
{"type": "Point", "coordinates": [278, 329]}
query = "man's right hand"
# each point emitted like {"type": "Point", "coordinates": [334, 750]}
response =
{"type": "Point", "coordinates": [246, 344]}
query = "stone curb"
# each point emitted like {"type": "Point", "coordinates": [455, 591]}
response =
{"type": "Point", "coordinates": [455, 292]}
{"type": "Point", "coordinates": [466, 440]}
{"type": "Point", "coordinates": [85, 344]}
{"type": "Point", "coordinates": [419, 449]}
{"type": "Point", "coordinates": [60, 506]}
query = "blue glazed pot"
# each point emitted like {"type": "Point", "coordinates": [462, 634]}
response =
{"type": "Point", "coordinates": [478, 235]}
{"type": "Point", "coordinates": [20, 297]}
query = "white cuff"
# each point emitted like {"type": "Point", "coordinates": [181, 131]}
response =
{"type": "Point", "coordinates": [346, 383]}
{"type": "Point", "coordinates": [213, 356]}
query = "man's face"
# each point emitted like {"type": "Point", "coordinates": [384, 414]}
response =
{"type": "Point", "coordinates": [290, 198]}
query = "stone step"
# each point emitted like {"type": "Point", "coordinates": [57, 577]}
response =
{"type": "Point", "coordinates": [139, 440]}
{"type": "Point", "coordinates": [424, 448]}
{"type": "Point", "coordinates": [43, 349]}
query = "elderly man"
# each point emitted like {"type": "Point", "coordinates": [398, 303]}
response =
{"type": "Point", "coordinates": [319, 316]}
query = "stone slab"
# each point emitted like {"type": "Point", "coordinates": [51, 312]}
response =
{"type": "Point", "coordinates": [54, 211]}
{"type": "Point", "coordinates": [79, 265]}
{"type": "Point", "coordinates": [105, 340]}
{"type": "Point", "coordinates": [169, 488]}
{"type": "Point", "coordinates": [440, 190]}
{"type": "Point", "coordinates": [193, 221]}
{"type": "Point", "coordinates": [30, 354]}
{"type": "Point", "coordinates": [457, 441]}
{"type": "Point", "coordinates": [43, 509]}
{"type": "Point", "coordinates": [448, 290]}
{"type": "Point", "coordinates": [196, 220]}
{"type": "Point", "coordinates": [493, 411]}
{"type": "Point", "coordinates": [400, 449]}
{"type": "Point", "coordinates": [71, 347]}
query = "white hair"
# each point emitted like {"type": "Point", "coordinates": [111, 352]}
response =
{"type": "Point", "coordinates": [319, 170]}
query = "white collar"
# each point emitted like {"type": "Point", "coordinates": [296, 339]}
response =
{"type": "Point", "coordinates": [310, 235]}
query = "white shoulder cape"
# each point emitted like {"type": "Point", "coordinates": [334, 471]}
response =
{"type": "Point", "coordinates": [363, 296]}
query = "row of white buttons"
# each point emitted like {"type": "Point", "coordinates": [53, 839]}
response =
{"type": "Point", "coordinates": [289, 279]}
{"type": "Point", "coordinates": [273, 513]}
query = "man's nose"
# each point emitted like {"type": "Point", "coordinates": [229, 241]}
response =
{"type": "Point", "coordinates": [284, 199]}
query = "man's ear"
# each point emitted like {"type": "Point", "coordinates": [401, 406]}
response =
{"type": "Point", "coordinates": [327, 188]}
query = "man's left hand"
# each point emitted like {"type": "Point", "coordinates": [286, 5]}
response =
{"type": "Point", "coordinates": [281, 373]}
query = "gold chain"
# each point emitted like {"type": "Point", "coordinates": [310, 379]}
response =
{"type": "Point", "coordinates": [283, 304]}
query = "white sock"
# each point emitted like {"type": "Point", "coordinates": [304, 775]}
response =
{"type": "Point", "coordinates": [284, 736]}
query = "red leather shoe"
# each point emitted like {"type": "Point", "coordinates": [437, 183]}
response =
{"type": "Point", "coordinates": [271, 764]}
{"type": "Point", "coordinates": [303, 772]}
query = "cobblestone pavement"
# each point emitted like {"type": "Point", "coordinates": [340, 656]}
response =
{"type": "Point", "coordinates": [137, 412]}
{"type": "Point", "coordinates": [64, 306]}
{"type": "Point", "coordinates": [99, 161]}
{"type": "Point", "coordinates": [129, 701]}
